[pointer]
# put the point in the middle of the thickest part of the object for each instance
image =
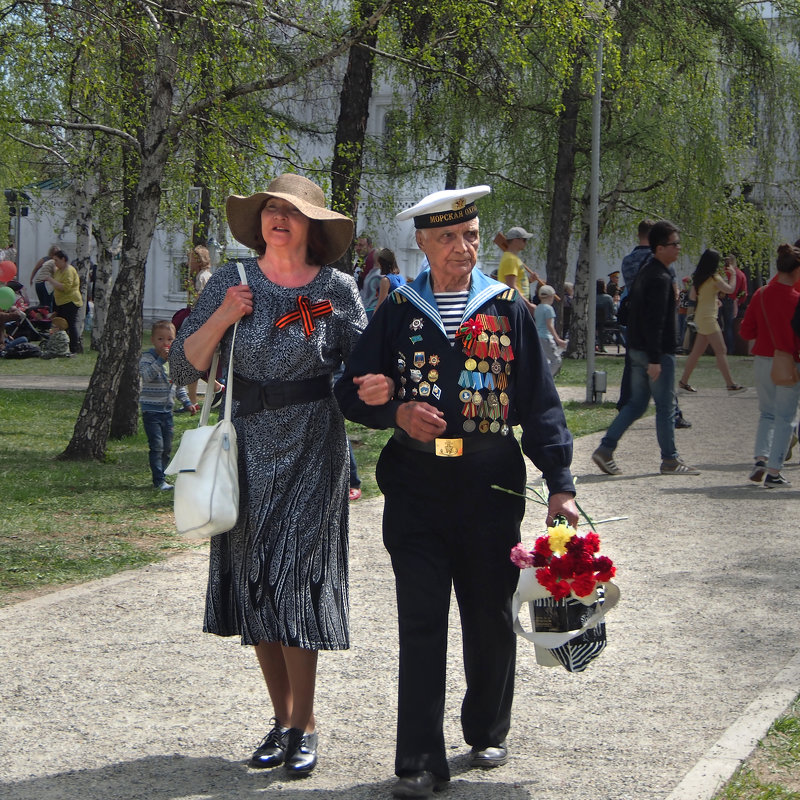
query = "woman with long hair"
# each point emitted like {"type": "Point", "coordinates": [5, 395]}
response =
{"type": "Point", "coordinates": [707, 283]}
{"type": "Point", "coordinates": [391, 275]}
{"type": "Point", "coordinates": [768, 320]}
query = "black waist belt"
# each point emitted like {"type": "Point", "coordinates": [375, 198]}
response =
{"type": "Point", "coordinates": [253, 396]}
{"type": "Point", "coordinates": [449, 447]}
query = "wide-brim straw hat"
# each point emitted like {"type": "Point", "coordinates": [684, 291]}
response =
{"type": "Point", "coordinates": [244, 214]}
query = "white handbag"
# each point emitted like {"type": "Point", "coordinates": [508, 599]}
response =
{"type": "Point", "coordinates": [207, 464]}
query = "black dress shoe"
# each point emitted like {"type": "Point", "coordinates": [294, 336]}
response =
{"type": "Point", "coordinates": [301, 752]}
{"type": "Point", "coordinates": [418, 784]}
{"type": "Point", "coordinates": [494, 756]}
{"type": "Point", "coordinates": [272, 750]}
{"type": "Point", "coordinates": [680, 422]}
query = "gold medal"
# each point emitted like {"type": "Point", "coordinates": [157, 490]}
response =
{"type": "Point", "coordinates": [470, 364]}
{"type": "Point", "coordinates": [503, 399]}
{"type": "Point", "coordinates": [505, 341]}
{"type": "Point", "coordinates": [484, 426]}
{"type": "Point", "coordinates": [433, 375]}
{"type": "Point", "coordinates": [465, 396]}
{"type": "Point", "coordinates": [483, 366]}
{"type": "Point", "coordinates": [494, 427]}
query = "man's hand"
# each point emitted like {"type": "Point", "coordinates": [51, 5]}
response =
{"type": "Point", "coordinates": [374, 390]}
{"type": "Point", "coordinates": [421, 421]}
{"type": "Point", "coordinates": [653, 371]}
{"type": "Point", "coordinates": [562, 504]}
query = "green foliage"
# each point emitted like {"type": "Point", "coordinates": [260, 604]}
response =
{"type": "Point", "coordinates": [739, 227]}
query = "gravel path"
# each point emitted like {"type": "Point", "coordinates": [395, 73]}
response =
{"type": "Point", "coordinates": [110, 691]}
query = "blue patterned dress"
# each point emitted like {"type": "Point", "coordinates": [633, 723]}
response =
{"type": "Point", "coordinates": [281, 574]}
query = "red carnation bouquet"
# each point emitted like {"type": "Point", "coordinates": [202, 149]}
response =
{"type": "Point", "coordinates": [566, 561]}
{"type": "Point", "coordinates": [567, 587]}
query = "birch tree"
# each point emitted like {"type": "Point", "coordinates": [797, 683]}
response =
{"type": "Point", "coordinates": [145, 105]}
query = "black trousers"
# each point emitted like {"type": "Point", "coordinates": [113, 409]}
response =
{"type": "Point", "coordinates": [69, 311]}
{"type": "Point", "coordinates": [444, 526]}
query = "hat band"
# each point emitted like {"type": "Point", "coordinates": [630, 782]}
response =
{"type": "Point", "coordinates": [441, 218]}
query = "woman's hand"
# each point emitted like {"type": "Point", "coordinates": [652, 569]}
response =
{"type": "Point", "coordinates": [421, 421]}
{"type": "Point", "coordinates": [199, 347]}
{"type": "Point", "coordinates": [374, 390]}
{"type": "Point", "coordinates": [238, 303]}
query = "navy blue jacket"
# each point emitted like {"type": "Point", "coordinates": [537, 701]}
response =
{"type": "Point", "coordinates": [407, 333]}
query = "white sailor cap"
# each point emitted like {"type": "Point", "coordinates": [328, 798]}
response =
{"type": "Point", "coordinates": [447, 207]}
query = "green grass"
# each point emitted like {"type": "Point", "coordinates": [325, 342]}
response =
{"type": "Point", "coordinates": [773, 770]}
{"type": "Point", "coordinates": [66, 522]}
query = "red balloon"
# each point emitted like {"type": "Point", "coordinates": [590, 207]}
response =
{"type": "Point", "coordinates": [8, 271]}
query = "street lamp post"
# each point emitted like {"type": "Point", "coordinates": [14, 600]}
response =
{"type": "Point", "coordinates": [592, 385]}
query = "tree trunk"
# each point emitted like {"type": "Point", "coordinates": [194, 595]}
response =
{"type": "Point", "coordinates": [564, 179]}
{"type": "Point", "coordinates": [453, 162]}
{"type": "Point", "coordinates": [121, 340]}
{"type": "Point", "coordinates": [82, 200]}
{"type": "Point", "coordinates": [125, 417]}
{"type": "Point", "coordinates": [102, 289]}
{"type": "Point", "coordinates": [351, 129]}
{"type": "Point", "coordinates": [578, 329]}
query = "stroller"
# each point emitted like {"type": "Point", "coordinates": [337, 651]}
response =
{"type": "Point", "coordinates": [36, 324]}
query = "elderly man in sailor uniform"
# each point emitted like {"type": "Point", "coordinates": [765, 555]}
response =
{"type": "Point", "coordinates": [464, 359]}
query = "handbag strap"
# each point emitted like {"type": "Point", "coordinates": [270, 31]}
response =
{"type": "Point", "coordinates": [554, 639]}
{"type": "Point", "coordinates": [208, 398]}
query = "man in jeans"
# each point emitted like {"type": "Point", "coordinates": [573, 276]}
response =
{"type": "Point", "coordinates": [651, 346]}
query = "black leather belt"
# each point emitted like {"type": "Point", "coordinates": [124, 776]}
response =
{"type": "Point", "coordinates": [253, 397]}
{"type": "Point", "coordinates": [452, 447]}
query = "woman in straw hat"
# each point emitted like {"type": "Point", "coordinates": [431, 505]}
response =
{"type": "Point", "coordinates": [279, 579]}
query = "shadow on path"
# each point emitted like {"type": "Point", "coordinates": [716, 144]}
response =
{"type": "Point", "coordinates": [187, 778]}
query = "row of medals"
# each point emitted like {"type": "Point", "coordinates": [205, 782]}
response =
{"type": "Point", "coordinates": [476, 376]}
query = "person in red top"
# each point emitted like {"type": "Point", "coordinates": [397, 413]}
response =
{"type": "Point", "coordinates": [732, 303]}
{"type": "Point", "coordinates": [768, 321]}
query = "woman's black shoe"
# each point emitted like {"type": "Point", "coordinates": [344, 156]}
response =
{"type": "Point", "coordinates": [272, 750]}
{"type": "Point", "coordinates": [301, 752]}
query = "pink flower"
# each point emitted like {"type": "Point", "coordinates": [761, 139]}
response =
{"type": "Point", "coordinates": [521, 557]}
